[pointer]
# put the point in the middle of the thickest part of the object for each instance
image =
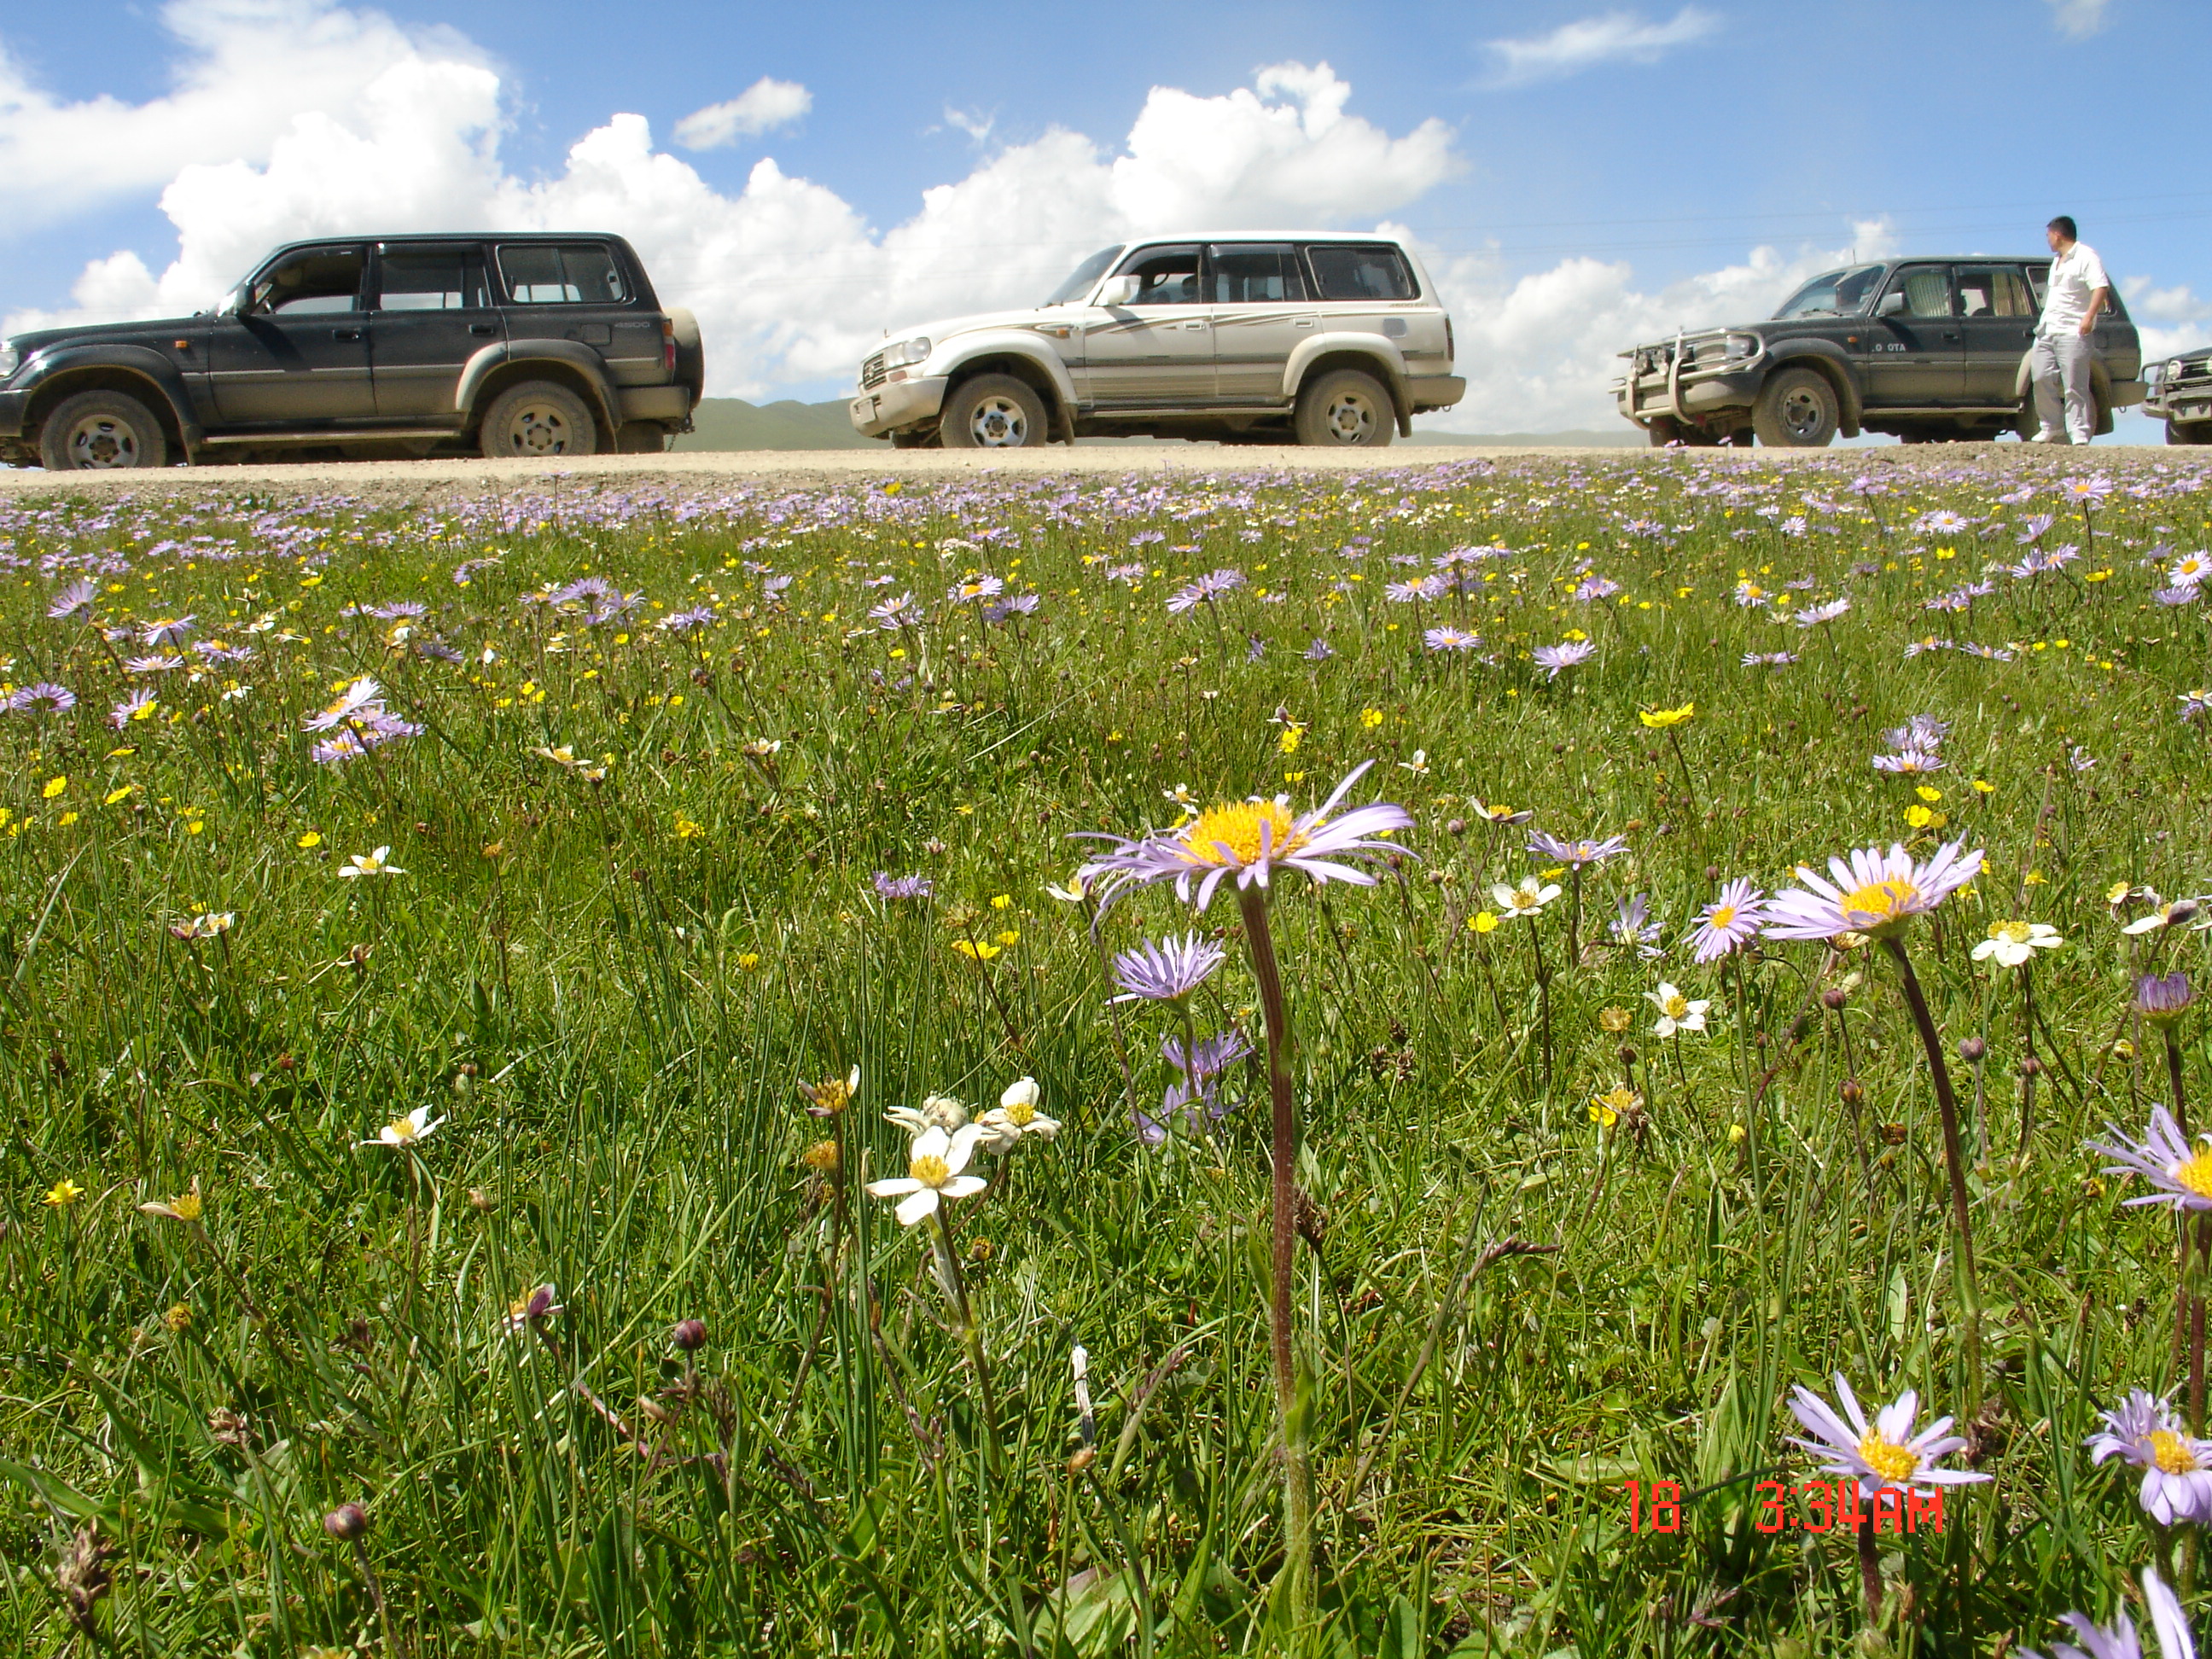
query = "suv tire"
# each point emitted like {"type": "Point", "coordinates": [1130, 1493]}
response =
{"type": "Point", "coordinates": [641, 437]}
{"type": "Point", "coordinates": [1344, 409]}
{"type": "Point", "coordinates": [1796, 409]}
{"type": "Point", "coordinates": [538, 418]}
{"type": "Point", "coordinates": [98, 430]}
{"type": "Point", "coordinates": [992, 411]}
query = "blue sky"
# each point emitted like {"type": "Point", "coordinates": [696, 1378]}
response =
{"type": "Point", "coordinates": [1660, 145]}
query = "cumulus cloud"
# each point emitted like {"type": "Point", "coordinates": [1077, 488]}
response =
{"type": "Point", "coordinates": [2080, 19]}
{"type": "Point", "coordinates": [1616, 37]}
{"type": "Point", "coordinates": [1538, 350]}
{"type": "Point", "coordinates": [2149, 302]}
{"type": "Point", "coordinates": [790, 281]}
{"type": "Point", "coordinates": [765, 105]}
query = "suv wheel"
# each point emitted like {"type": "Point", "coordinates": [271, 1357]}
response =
{"type": "Point", "coordinates": [992, 411]}
{"type": "Point", "coordinates": [1796, 409]}
{"type": "Point", "coordinates": [98, 430]}
{"type": "Point", "coordinates": [1346, 408]}
{"type": "Point", "coordinates": [538, 418]}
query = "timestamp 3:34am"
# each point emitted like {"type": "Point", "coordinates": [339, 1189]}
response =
{"type": "Point", "coordinates": [1818, 1506]}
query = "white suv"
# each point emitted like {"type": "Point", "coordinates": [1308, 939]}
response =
{"type": "Point", "coordinates": [1250, 339]}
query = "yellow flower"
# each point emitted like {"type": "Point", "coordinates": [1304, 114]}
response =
{"type": "Point", "coordinates": [115, 795]}
{"type": "Point", "coordinates": [1658, 719]}
{"type": "Point", "coordinates": [184, 1206]}
{"type": "Point", "coordinates": [748, 960]}
{"type": "Point", "coordinates": [1613, 1019]}
{"type": "Point", "coordinates": [1000, 900]}
{"type": "Point", "coordinates": [1736, 1133]}
{"type": "Point", "coordinates": [1010, 937]}
{"type": "Point", "coordinates": [686, 828]}
{"type": "Point", "coordinates": [64, 1192]}
{"type": "Point", "coordinates": [1918, 816]}
{"type": "Point", "coordinates": [1482, 921]}
{"type": "Point", "coordinates": [1605, 1111]}
{"type": "Point", "coordinates": [973, 951]}
{"type": "Point", "coordinates": [312, 838]}
{"type": "Point", "coordinates": [178, 1318]}
{"type": "Point", "coordinates": [1292, 735]}
{"type": "Point", "coordinates": [54, 787]}
{"type": "Point", "coordinates": [1931, 796]}
{"type": "Point", "coordinates": [1370, 718]}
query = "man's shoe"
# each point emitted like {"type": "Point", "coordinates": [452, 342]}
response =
{"type": "Point", "coordinates": [2046, 438]}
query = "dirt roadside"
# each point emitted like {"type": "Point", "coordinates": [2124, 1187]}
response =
{"type": "Point", "coordinates": [803, 469]}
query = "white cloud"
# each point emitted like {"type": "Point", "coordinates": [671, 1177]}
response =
{"type": "Point", "coordinates": [2080, 18]}
{"type": "Point", "coordinates": [790, 281]}
{"type": "Point", "coordinates": [764, 105]}
{"type": "Point", "coordinates": [1538, 351]}
{"type": "Point", "coordinates": [1616, 37]}
{"type": "Point", "coordinates": [2177, 304]}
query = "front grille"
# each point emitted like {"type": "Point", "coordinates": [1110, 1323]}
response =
{"type": "Point", "coordinates": [872, 372]}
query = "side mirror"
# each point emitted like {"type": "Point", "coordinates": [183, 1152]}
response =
{"type": "Point", "coordinates": [1892, 305]}
{"type": "Point", "coordinates": [1120, 290]}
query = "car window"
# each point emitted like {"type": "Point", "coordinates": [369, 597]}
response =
{"type": "Point", "coordinates": [1832, 294]}
{"type": "Point", "coordinates": [1993, 291]}
{"type": "Point", "coordinates": [312, 280]}
{"type": "Point", "coordinates": [1254, 273]}
{"type": "Point", "coordinates": [1080, 280]}
{"type": "Point", "coordinates": [1165, 276]}
{"type": "Point", "coordinates": [1360, 273]}
{"type": "Point", "coordinates": [1926, 289]}
{"type": "Point", "coordinates": [2038, 278]}
{"type": "Point", "coordinates": [553, 274]}
{"type": "Point", "coordinates": [432, 279]}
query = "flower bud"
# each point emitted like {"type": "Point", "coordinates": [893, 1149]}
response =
{"type": "Point", "coordinates": [2031, 1067]}
{"type": "Point", "coordinates": [690, 1335]}
{"type": "Point", "coordinates": [1972, 1050]}
{"type": "Point", "coordinates": [1834, 997]}
{"type": "Point", "coordinates": [1455, 827]}
{"type": "Point", "coordinates": [1627, 1055]}
{"type": "Point", "coordinates": [348, 1521]}
{"type": "Point", "coordinates": [1853, 1091]}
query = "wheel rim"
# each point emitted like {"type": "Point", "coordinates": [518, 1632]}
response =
{"type": "Point", "coordinates": [100, 441]}
{"type": "Point", "coordinates": [1803, 414]}
{"type": "Point", "coordinates": [998, 423]}
{"type": "Point", "coordinates": [1349, 419]}
{"type": "Point", "coordinates": [539, 429]}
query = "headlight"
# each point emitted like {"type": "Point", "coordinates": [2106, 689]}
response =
{"type": "Point", "coordinates": [10, 360]}
{"type": "Point", "coordinates": [906, 351]}
{"type": "Point", "coordinates": [1742, 345]}
{"type": "Point", "coordinates": [2173, 369]}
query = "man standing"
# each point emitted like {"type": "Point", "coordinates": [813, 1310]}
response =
{"type": "Point", "coordinates": [2078, 291]}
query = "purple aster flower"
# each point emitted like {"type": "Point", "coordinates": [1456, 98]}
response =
{"type": "Point", "coordinates": [160, 664]}
{"type": "Point", "coordinates": [1813, 615]}
{"type": "Point", "coordinates": [1554, 658]}
{"type": "Point", "coordinates": [2177, 1468]}
{"type": "Point", "coordinates": [1450, 639]}
{"type": "Point", "coordinates": [1594, 588]}
{"type": "Point", "coordinates": [1013, 605]}
{"type": "Point", "coordinates": [1576, 853]}
{"type": "Point", "coordinates": [1632, 925]}
{"type": "Point", "coordinates": [1881, 1455]}
{"type": "Point", "coordinates": [167, 630]}
{"type": "Point", "coordinates": [1212, 1057]}
{"type": "Point", "coordinates": [134, 707]}
{"type": "Point", "coordinates": [2034, 529]}
{"type": "Point", "coordinates": [2164, 1158]}
{"type": "Point", "coordinates": [1251, 840]}
{"type": "Point", "coordinates": [1320, 651]}
{"type": "Point", "coordinates": [1421, 587]}
{"type": "Point", "coordinates": [43, 698]}
{"type": "Point", "coordinates": [682, 622]}
{"type": "Point", "coordinates": [1127, 574]}
{"type": "Point", "coordinates": [357, 702]}
{"type": "Point", "coordinates": [1874, 892]}
{"type": "Point", "coordinates": [1912, 763]}
{"type": "Point", "coordinates": [2175, 596]}
{"type": "Point", "coordinates": [2118, 1640]}
{"type": "Point", "coordinates": [1256, 647]}
{"type": "Point", "coordinates": [903, 887]}
{"type": "Point", "coordinates": [1921, 731]}
{"type": "Point", "coordinates": [395, 609]}
{"type": "Point", "coordinates": [1207, 589]}
{"type": "Point", "coordinates": [897, 613]}
{"type": "Point", "coordinates": [2162, 998]}
{"type": "Point", "coordinates": [1729, 922]}
{"type": "Point", "coordinates": [1769, 659]}
{"type": "Point", "coordinates": [334, 751]}
{"type": "Point", "coordinates": [72, 600]}
{"type": "Point", "coordinates": [1166, 971]}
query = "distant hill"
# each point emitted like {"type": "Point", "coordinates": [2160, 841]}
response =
{"type": "Point", "coordinates": [733, 424]}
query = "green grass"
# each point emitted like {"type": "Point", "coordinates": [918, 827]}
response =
{"type": "Point", "coordinates": [610, 990]}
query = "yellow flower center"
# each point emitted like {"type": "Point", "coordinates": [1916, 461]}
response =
{"type": "Point", "coordinates": [2196, 1173]}
{"type": "Point", "coordinates": [832, 1095]}
{"type": "Point", "coordinates": [1020, 1113]}
{"type": "Point", "coordinates": [2016, 932]}
{"type": "Point", "coordinates": [401, 1129]}
{"type": "Point", "coordinates": [930, 1170]}
{"type": "Point", "coordinates": [1678, 1006]}
{"type": "Point", "coordinates": [2172, 1453]}
{"type": "Point", "coordinates": [1878, 902]}
{"type": "Point", "coordinates": [1723, 918]}
{"type": "Point", "coordinates": [1893, 1463]}
{"type": "Point", "coordinates": [186, 1206]}
{"type": "Point", "coordinates": [1230, 836]}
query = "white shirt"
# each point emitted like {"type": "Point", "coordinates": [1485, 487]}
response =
{"type": "Point", "coordinates": [2075, 275]}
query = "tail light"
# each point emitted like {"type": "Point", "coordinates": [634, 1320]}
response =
{"type": "Point", "coordinates": [1451, 351]}
{"type": "Point", "coordinates": [667, 345]}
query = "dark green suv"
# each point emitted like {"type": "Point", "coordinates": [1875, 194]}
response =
{"type": "Point", "coordinates": [1929, 350]}
{"type": "Point", "coordinates": [371, 347]}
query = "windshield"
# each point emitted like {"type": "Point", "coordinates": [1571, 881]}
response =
{"type": "Point", "coordinates": [1833, 294]}
{"type": "Point", "coordinates": [1084, 274]}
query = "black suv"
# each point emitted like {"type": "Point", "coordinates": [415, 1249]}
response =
{"type": "Point", "coordinates": [2181, 396]}
{"type": "Point", "coordinates": [365, 346]}
{"type": "Point", "coordinates": [1928, 349]}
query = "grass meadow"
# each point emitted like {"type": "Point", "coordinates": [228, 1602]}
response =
{"type": "Point", "coordinates": [436, 942]}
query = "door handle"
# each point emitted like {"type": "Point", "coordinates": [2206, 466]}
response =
{"type": "Point", "coordinates": [345, 334]}
{"type": "Point", "coordinates": [483, 328]}
{"type": "Point", "coordinates": [1304, 322]}
{"type": "Point", "coordinates": [1199, 323]}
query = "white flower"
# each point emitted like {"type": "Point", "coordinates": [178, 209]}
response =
{"type": "Point", "coordinates": [2013, 943]}
{"type": "Point", "coordinates": [1528, 899]}
{"type": "Point", "coordinates": [2166, 915]}
{"type": "Point", "coordinates": [936, 1112]}
{"type": "Point", "coordinates": [1016, 1115]}
{"type": "Point", "coordinates": [1074, 893]}
{"type": "Point", "coordinates": [1676, 1011]}
{"type": "Point", "coordinates": [402, 1133]}
{"type": "Point", "coordinates": [932, 1174]}
{"type": "Point", "coordinates": [369, 864]}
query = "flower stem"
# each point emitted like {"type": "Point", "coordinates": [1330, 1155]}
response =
{"type": "Point", "coordinates": [1954, 1163]}
{"type": "Point", "coordinates": [1298, 1474]}
{"type": "Point", "coordinates": [971, 1337]}
{"type": "Point", "coordinates": [1870, 1573]}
